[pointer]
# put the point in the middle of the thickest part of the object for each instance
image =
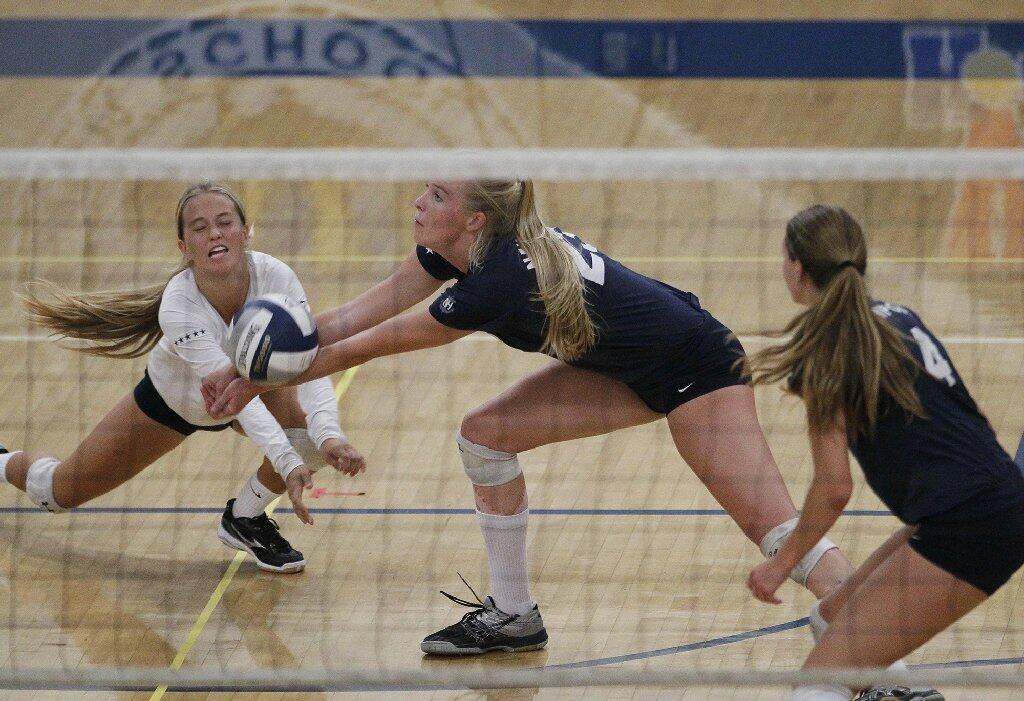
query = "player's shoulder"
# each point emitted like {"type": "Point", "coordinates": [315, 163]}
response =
{"type": "Point", "coordinates": [181, 288]}
{"type": "Point", "coordinates": [506, 256]}
{"type": "Point", "coordinates": [265, 264]}
{"type": "Point", "coordinates": [896, 314]}
{"type": "Point", "coordinates": [437, 265]}
{"type": "Point", "coordinates": [182, 299]}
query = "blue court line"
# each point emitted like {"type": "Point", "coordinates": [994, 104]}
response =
{"type": "Point", "coordinates": [970, 663]}
{"type": "Point", "coordinates": [703, 644]}
{"type": "Point", "coordinates": [403, 511]}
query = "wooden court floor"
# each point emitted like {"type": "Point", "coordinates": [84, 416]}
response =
{"type": "Point", "coordinates": [625, 557]}
{"type": "Point", "coordinates": [629, 554]}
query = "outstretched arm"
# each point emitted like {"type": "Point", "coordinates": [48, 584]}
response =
{"type": "Point", "coordinates": [408, 285]}
{"type": "Point", "coordinates": [829, 493]}
{"type": "Point", "coordinates": [408, 332]}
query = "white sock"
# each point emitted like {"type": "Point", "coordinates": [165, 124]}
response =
{"type": "Point", "coordinates": [253, 499]}
{"type": "Point", "coordinates": [505, 538]}
{"type": "Point", "coordinates": [822, 692]}
{"type": "Point", "coordinates": [4, 458]}
{"type": "Point", "coordinates": [818, 624]}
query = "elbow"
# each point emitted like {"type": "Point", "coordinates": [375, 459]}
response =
{"type": "Point", "coordinates": [838, 495]}
{"type": "Point", "coordinates": [331, 326]}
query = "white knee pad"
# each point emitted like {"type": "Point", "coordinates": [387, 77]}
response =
{"type": "Point", "coordinates": [486, 467]}
{"type": "Point", "coordinates": [39, 484]}
{"type": "Point", "coordinates": [306, 448]}
{"type": "Point", "coordinates": [771, 543]}
{"type": "Point", "coordinates": [817, 622]}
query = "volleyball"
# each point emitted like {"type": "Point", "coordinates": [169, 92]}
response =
{"type": "Point", "coordinates": [272, 340]}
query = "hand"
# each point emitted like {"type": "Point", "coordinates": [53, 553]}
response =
{"type": "Point", "coordinates": [299, 479]}
{"type": "Point", "coordinates": [765, 580]}
{"type": "Point", "coordinates": [216, 382]}
{"type": "Point", "coordinates": [232, 399]}
{"type": "Point", "coordinates": [342, 456]}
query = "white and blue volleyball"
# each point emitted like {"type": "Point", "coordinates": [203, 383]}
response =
{"type": "Point", "coordinates": [272, 340]}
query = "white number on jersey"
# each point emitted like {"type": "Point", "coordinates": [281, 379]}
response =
{"type": "Point", "coordinates": [936, 365]}
{"type": "Point", "coordinates": [592, 271]}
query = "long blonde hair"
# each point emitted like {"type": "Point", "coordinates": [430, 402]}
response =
{"type": "Point", "coordinates": [840, 357]}
{"type": "Point", "coordinates": [115, 323]}
{"type": "Point", "coordinates": [512, 213]}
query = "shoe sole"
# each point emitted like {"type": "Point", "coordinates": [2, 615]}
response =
{"type": "Point", "coordinates": [437, 647]}
{"type": "Point", "coordinates": [232, 542]}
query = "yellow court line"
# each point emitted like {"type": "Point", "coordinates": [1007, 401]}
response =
{"type": "Point", "coordinates": [630, 260]}
{"type": "Point", "coordinates": [229, 574]}
{"type": "Point", "coordinates": [204, 617]}
{"type": "Point", "coordinates": [345, 381]}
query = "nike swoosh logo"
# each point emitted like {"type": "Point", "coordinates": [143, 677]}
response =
{"type": "Point", "coordinates": [686, 387]}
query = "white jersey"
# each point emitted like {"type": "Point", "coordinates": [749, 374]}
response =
{"type": "Point", "coordinates": [193, 346]}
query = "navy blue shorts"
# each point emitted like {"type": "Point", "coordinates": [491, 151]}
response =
{"type": "Point", "coordinates": [709, 365]}
{"type": "Point", "coordinates": [154, 406]}
{"type": "Point", "coordinates": [980, 541]}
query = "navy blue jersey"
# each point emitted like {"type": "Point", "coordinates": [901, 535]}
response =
{"type": "Point", "coordinates": [926, 466]}
{"type": "Point", "coordinates": [640, 321]}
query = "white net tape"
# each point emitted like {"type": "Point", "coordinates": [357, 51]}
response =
{"type": "Point", "coordinates": [575, 164]}
{"type": "Point", "coordinates": [128, 679]}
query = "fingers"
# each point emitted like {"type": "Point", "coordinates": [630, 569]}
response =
{"type": "Point", "coordinates": [210, 390]}
{"type": "Point", "coordinates": [358, 463]}
{"type": "Point", "coordinates": [761, 592]}
{"type": "Point", "coordinates": [349, 461]}
{"type": "Point", "coordinates": [296, 484]}
{"type": "Point", "coordinates": [224, 405]}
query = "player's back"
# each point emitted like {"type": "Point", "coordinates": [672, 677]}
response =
{"type": "Point", "coordinates": [923, 466]}
{"type": "Point", "coordinates": [639, 320]}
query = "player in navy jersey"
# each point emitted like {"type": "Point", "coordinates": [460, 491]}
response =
{"type": "Point", "coordinates": [876, 381]}
{"type": "Point", "coordinates": [628, 350]}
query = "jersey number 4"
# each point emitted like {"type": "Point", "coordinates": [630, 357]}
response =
{"type": "Point", "coordinates": [934, 362]}
{"type": "Point", "coordinates": [592, 270]}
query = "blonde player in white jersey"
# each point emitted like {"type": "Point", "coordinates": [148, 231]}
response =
{"type": "Point", "coordinates": [183, 325]}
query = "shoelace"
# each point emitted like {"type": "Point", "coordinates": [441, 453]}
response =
{"type": "Point", "coordinates": [483, 622]}
{"type": "Point", "coordinates": [478, 604]}
{"type": "Point", "coordinates": [269, 535]}
{"type": "Point", "coordinates": [896, 692]}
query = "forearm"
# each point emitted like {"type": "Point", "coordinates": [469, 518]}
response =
{"type": "Point", "coordinates": [261, 427]}
{"type": "Point", "coordinates": [321, 409]}
{"type": "Point", "coordinates": [348, 320]}
{"type": "Point", "coordinates": [822, 508]}
{"type": "Point", "coordinates": [407, 286]}
{"type": "Point", "coordinates": [409, 332]}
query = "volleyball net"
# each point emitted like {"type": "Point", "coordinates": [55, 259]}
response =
{"type": "Point", "coordinates": [945, 230]}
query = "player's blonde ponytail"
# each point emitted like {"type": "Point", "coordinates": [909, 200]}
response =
{"type": "Point", "coordinates": [114, 323]}
{"type": "Point", "coordinates": [840, 357]}
{"type": "Point", "coordinates": [512, 213]}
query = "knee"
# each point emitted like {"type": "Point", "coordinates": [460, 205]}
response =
{"type": "Point", "coordinates": [486, 466]}
{"type": "Point", "coordinates": [483, 427]}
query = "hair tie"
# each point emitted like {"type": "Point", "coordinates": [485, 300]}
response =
{"type": "Point", "coordinates": [847, 264]}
